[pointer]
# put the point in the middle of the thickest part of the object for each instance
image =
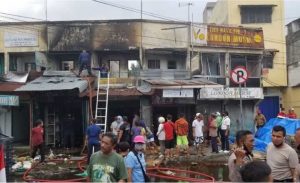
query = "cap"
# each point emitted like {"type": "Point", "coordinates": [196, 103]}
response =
{"type": "Point", "coordinates": [218, 114]}
{"type": "Point", "coordinates": [161, 119]}
{"type": "Point", "coordinates": [198, 114]}
{"type": "Point", "coordinates": [292, 109]}
{"type": "Point", "coordinates": [139, 139]}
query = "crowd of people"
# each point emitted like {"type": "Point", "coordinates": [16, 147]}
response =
{"type": "Point", "coordinates": [118, 155]}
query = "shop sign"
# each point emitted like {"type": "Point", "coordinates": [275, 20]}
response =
{"type": "Point", "coordinates": [17, 39]}
{"type": "Point", "coordinates": [9, 100]}
{"type": "Point", "coordinates": [231, 93]}
{"type": "Point", "coordinates": [225, 36]}
{"type": "Point", "coordinates": [178, 93]}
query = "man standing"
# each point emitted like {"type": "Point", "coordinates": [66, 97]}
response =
{"type": "Point", "coordinates": [169, 136]}
{"type": "Point", "coordinates": [198, 132]}
{"type": "Point", "coordinates": [182, 130]}
{"type": "Point", "coordinates": [106, 165]}
{"type": "Point", "coordinates": [281, 157]}
{"type": "Point", "coordinates": [225, 127]}
{"type": "Point", "coordinates": [241, 155]}
{"type": "Point", "coordinates": [93, 136]}
{"type": "Point", "coordinates": [37, 139]}
{"type": "Point", "coordinates": [297, 149]}
{"type": "Point", "coordinates": [85, 61]}
{"type": "Point", "coordinates": [259, 119]}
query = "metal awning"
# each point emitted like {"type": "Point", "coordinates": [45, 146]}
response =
{"type": "Point", "coordinates": [191, 83]}
{"type": "Point", "coordinates": [55, 83]}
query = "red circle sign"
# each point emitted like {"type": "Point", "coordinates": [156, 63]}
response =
{"type": "Point", "coordinates": [239, 75]}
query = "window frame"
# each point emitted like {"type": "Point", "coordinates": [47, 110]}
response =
{"type": "Point", "coordinates": [153, 64]}
{"type": "Point", "coordinates": [256, 14]}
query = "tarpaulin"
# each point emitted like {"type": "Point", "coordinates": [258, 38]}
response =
{"type": "Point", "coordinates": [263, 135]}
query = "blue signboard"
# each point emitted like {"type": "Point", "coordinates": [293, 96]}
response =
{"type": "Point", "coordinates": [9, 100]}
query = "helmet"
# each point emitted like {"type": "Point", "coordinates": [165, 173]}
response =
{"type": "Point", "coordinates": [161, 119]}
{"type": "Point", "coordinates": [139, 139]}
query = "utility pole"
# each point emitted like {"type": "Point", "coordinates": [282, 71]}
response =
{"type": "Point", "coordinates": [188, 55]}
{"type": "Point", "coordinates": [141, 40]}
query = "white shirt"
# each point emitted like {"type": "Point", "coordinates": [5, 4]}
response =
{"type": "Point", "coordinates": [115, 126]}
{"type": "Point", "coordinates": [225, 123]}
{"type": "Point", "coordinates": [161, 135]}
{"type": "Point", "coordinates": [198, 125]}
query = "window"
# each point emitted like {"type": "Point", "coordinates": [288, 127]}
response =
{"type": "Point", "coordinates": [267, 61]}
{"type": "Point", "coordinates": [153, 64]}
{"type": "Point", "coordinates": [256, 14]}
{"type": "Point", "coordinates": [172, 64]}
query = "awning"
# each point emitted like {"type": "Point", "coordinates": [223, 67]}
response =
{"type": "Point", "coordinates": [55, 83]}
{"type": "Point", "coordinates": [191, 83]}
{"type": "Point", "coordinates": [9, 86]}
{"type": "Point", "coordinates": [122, 92]}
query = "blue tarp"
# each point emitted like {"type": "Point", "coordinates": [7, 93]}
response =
{"type": "Point", "coordinates": [263, 135]}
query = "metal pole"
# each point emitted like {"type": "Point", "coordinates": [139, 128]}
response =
{"type": "Point", "coordinates": [241, 108]}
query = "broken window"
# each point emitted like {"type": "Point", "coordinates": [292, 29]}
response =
{"type": "Point", "coordinates": [213, 67]}
{"type": "Point", "coordinates": [213, 64]}
{"type": "Point", "coordinates": [67, 65]}
{"type": "Point", "coordinates": [133, 68]}
{"type": "Point", "coordinates": [172, 64]}
{"type": "Point", "coordinates": [256, 14]}
{"type": "Point", "coordinates": [153, 64]}
{"type": "Point", "coordinates": [252, 64]}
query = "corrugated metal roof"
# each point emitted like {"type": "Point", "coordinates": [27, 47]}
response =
{"type": "Point", "coordinates": [193, 83]}
{"type": "Point", "coordinates": [55, 83]}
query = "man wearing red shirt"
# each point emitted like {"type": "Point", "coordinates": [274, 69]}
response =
{"type": "Point", "coordinates": [169, 138]}
{"type": "Point", "coordinates": [37, 139]}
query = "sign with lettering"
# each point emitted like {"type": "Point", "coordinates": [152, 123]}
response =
{"type": "Point", "coordinates": [178, 93]}
{"type": "Point", "coordinates": [9, 100]}
{"type": "Point", "coordinates": [224, 36]}
{"type": "Point", "coordinates": [230, 93]}
{"type": "Point", "coordinates": [20, 39]}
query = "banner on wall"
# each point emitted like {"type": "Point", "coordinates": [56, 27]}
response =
{"type": "Point", "coordinates": [225, 36]}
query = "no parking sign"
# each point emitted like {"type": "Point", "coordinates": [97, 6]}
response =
{"type": "Point", "coordinates": [239, 75]}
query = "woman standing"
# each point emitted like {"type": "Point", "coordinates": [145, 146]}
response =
{"type": "Point", "coordinates": [135, 161]}
{"type": "Point", "coordinates": [161, 135]}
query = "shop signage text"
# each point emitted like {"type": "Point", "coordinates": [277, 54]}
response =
{"type": "Point", "coordinates": [9, 100]}
{"type": "Point", "coordinates": [231, 93]}
{"type": "Point", "coordinates": [178, 93]}
{"type": "Point", "coordinates": [16, 39]}
{"type": "Point", "coordinates": [221, 36]}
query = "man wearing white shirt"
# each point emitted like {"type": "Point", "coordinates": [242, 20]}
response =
{"type": "Point", "coordinates": [198, 132]}
{"type": "Point", "coordinates": [225, 127]}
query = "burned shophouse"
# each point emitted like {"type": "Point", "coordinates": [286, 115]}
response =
{"type": "Point", "coordinates": [156, 68]}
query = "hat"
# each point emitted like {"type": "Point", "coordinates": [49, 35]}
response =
{"type": "Point", "coordinates": [218, 114]}
{"type": "Point", "coordinates": [198, 114]}
{"type": "Point", "coordinates": [139, 139]}
{"type": "Point", "coordinates": [292, 109]}
{"type": "Point", "coordinates": [161, 119]}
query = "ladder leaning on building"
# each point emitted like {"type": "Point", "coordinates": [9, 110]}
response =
{"type": "Point", "coordinates": [102, 100]}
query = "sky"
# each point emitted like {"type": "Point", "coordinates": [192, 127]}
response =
{"type": "Point", "coordinates": [57, 10]}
